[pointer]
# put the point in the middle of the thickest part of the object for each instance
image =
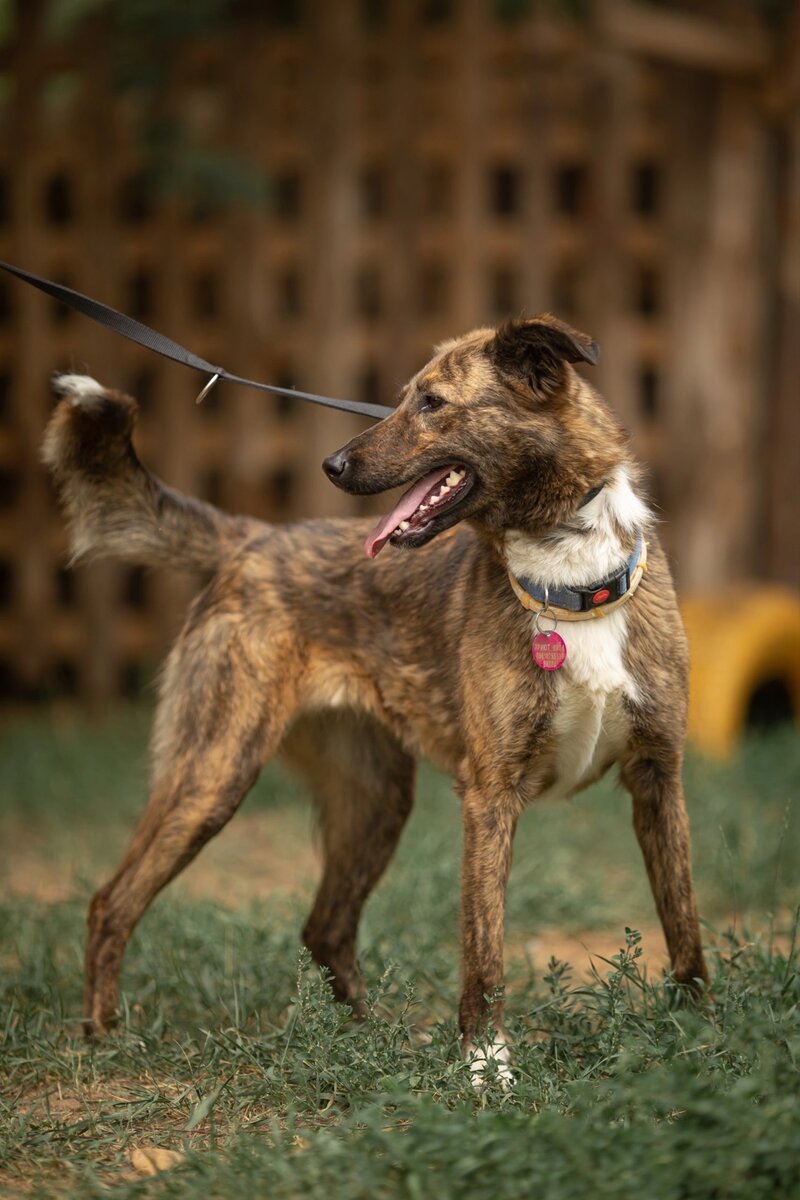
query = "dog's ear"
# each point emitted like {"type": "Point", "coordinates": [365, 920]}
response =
{"type": "Point", "coordinates": [536, 349]}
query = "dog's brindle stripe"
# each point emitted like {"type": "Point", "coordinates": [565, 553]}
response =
{"type": "Point", "coordinates": [355, 668]}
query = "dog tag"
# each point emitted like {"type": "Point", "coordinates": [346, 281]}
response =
{"type": "Point", "coordinates": [549, 650]}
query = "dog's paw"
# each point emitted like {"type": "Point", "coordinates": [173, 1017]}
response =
{"type": "Point", "coordinates": [81, 389]}
{"type": "Point", "coordinates": [491, 1060]}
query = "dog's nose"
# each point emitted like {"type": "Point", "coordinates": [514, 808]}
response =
{"type": "Point", "coordinates": [336, 465]}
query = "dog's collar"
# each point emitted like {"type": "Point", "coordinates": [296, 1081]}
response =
{"type": "Point", "coordinates": [590, 495]}
{"type": "Point", "coordinates": [595, 600]}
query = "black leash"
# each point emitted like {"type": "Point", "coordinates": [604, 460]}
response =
{"type": "Point", "coordinates": [135, 331]}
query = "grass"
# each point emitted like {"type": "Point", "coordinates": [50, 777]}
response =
{"type": "Point", "coordinates": [232, 1054]}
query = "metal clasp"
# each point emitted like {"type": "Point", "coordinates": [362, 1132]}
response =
{"type": "Point", "coordinates": [212, 381]}
{"type": "Point", "coordinates": [544, 613]}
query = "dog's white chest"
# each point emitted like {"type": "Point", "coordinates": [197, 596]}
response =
{"type": "Point", "coordinates": [590, 724]}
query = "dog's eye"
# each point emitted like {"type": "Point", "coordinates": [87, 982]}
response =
{"type": "Point", "coordinates": [429, 402]}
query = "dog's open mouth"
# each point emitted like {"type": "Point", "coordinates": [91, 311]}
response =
{"type": "Point", "coordinates": [436, 493]}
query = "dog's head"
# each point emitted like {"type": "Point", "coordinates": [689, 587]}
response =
{"type": "Point", "coordinates": [498, 428]}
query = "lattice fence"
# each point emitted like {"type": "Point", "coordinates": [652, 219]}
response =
{"type": "Point", "coordinates": [430, 166]}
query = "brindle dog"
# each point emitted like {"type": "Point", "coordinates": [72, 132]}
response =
{"type": "Point", "coordinates": [354, 668]}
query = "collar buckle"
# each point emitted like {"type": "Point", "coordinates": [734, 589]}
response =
{"type": "Point", "coordinates": [606, 591]}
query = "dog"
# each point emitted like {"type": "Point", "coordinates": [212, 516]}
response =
{"type": "Point", "coordinates": [525, 508]}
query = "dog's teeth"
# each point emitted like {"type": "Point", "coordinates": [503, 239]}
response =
{"type": "Point", "coordinates": [461, 474]}
{"type": "Point", "coordinates": [453, 478]}
{"type": "Point", "coordinates": [424, 507]}
{"type": "Point", "coordinates": [404, 525]}
{"type": "Point", "coordinates": [441, 495]}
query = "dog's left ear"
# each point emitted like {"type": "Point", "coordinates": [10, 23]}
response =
{"type": "Point", "coordinates": [536, 350]}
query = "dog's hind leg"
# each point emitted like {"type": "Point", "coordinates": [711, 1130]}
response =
{"type": "Point", "coordinates": [363, 785]}
{"type": "Point", "coordinates": [224, 709]}
{"type": "Point", "coordinates": [662, 830]}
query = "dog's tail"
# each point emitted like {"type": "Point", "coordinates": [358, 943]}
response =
{"type": "Point", "coordinates": [114, 506]}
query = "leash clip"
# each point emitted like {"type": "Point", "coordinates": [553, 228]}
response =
{"type": "Point", "coordinates": [211, 383]}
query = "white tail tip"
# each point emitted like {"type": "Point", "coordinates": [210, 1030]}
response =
{"type": "Point", "coordinates": [82, 389]}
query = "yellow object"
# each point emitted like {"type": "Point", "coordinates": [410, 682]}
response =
{"type": "Point", "coordinates": [739, 638]}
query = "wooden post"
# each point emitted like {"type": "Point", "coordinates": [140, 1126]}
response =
{"type": "Point", "coordinates": [250, 415]}
{"type": "Point", "coordinates": [536, 225]}
{"type": "Point", "coordinates": [34, 568]}
{"type": "Point", "coordinates": [404, 201]}
{"type": "Point", "coordinates": [782, 441]}
{"type": "Point", "coordinates": [330, 350]}
{"type": "Point", "coordinates": [612, 112]}
{"type": "Point", "coordinates": [471, 186]}
{"type": "Point", "coordinates": [716, 305]}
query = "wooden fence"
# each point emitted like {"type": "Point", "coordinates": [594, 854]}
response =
{"type": "Point", "coordinates": [431, 166]}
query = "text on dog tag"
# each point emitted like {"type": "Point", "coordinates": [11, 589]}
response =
{"type": "Point", "coordinates": [549, 650]}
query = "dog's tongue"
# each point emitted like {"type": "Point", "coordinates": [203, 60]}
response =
{"type": "Point", "coordinates": [408, 503]}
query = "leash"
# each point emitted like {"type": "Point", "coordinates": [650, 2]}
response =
{"type": "Point", "coordinates": [151, 339]}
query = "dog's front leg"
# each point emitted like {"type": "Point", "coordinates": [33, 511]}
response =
{"type": "Point", "coordinates": [653, 777]}
{"type": "Point", "coordinates": [489, 825]}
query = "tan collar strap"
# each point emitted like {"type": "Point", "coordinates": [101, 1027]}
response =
{"type": "Point", "coordinates": [598, 605]}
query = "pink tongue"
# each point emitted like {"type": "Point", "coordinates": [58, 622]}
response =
{"type": "Point", "coordinates": [408, 503]}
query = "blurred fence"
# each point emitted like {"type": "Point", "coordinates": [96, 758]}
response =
{"type": "Point", "coordinates": [430, 166]}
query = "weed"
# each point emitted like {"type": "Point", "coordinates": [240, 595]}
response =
{"type": "Point", "coordinates": [231, 1051]}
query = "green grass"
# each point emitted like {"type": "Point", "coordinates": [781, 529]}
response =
{"type": "Point", "coordinates": [231, 1051]}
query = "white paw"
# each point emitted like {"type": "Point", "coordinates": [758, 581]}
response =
{"type": "Point", "coordinates": [81, 389]}
{"type": "Point", "coordinates": [493, 1058]}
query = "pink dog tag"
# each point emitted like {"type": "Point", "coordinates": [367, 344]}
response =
{"type": "Point", "coordinates": [549, 650]}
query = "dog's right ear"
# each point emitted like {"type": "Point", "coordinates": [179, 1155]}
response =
{"type": "Point", "coordinates": [536, 349]}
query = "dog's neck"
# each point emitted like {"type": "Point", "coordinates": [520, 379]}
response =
{"type": "Point", "coordinates": [595, 543]}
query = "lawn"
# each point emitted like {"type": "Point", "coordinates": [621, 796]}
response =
{"type": "Point", "coordinates": [232, 1056]}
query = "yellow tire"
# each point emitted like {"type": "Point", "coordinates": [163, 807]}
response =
{"type": "Point", "coordinates": [739, 640]}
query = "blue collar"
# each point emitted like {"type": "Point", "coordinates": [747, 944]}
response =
{"type": "Point", "coordinates": [594, 595]}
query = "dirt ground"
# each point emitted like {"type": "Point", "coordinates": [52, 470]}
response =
{"type": "Point", "coordinates": [258, 857]}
